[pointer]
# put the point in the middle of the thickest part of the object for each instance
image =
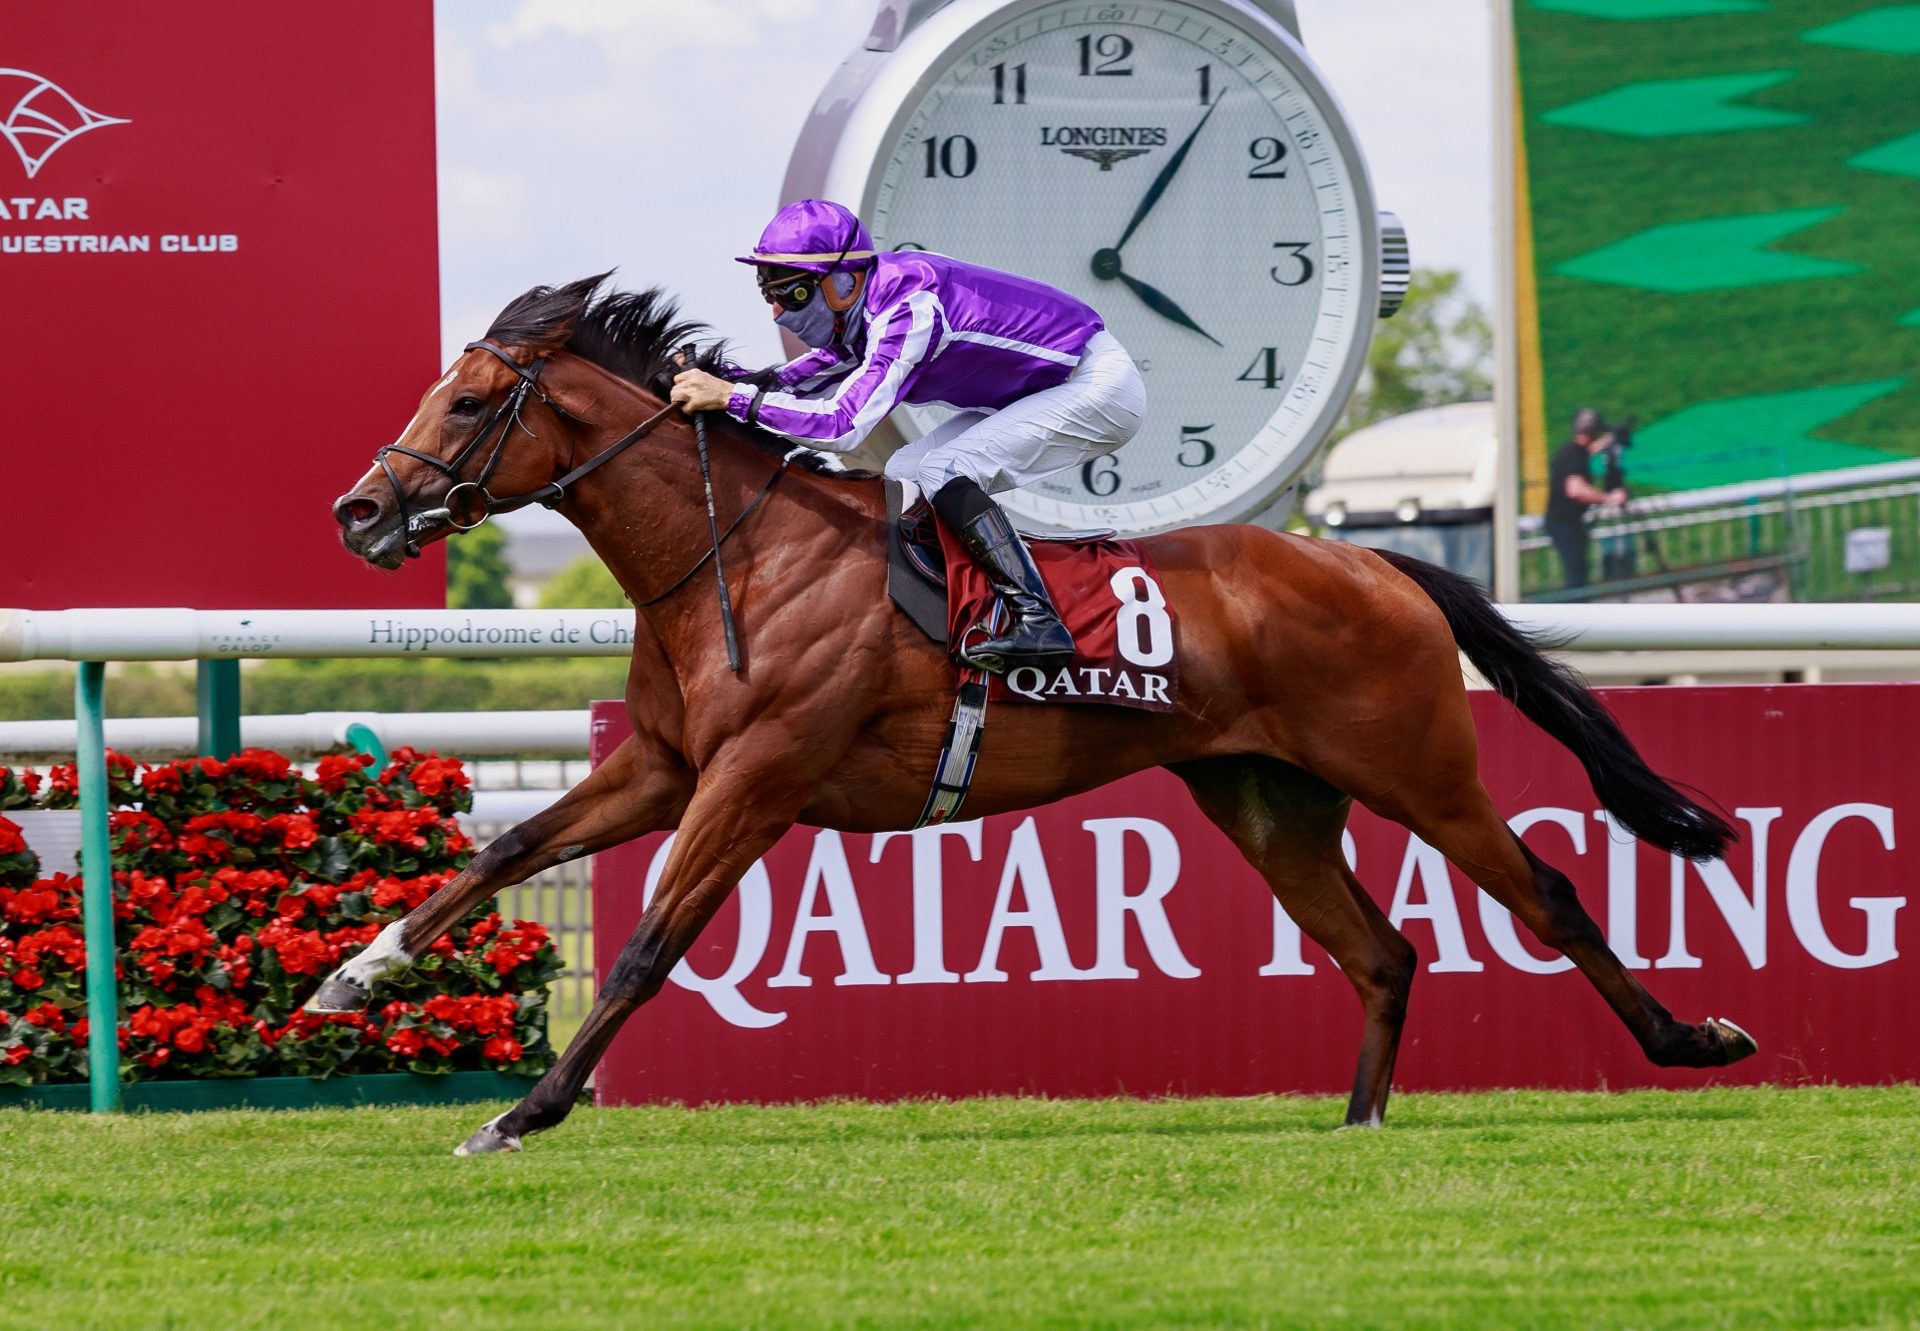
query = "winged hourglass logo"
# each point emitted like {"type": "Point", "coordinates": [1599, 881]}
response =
{"type": "Point", "coordinates": [1105, 156]}
{"type": "Point", "coordinates": [39, 117]}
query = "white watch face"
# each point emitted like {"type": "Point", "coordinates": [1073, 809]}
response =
{"type": "Point", "coordinates": [1180, 177]}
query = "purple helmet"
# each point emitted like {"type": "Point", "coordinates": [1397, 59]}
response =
{"type": "Point", "coordinates": [813, 235]}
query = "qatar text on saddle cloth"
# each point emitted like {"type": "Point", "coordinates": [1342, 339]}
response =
{"type": "Point", "coordinates": [1109, 594]}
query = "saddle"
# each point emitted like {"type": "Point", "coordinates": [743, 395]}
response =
{"type": "Point", "coordinates": [1107, 591]}
{"type": "Point", "coordinates": [917, 561]}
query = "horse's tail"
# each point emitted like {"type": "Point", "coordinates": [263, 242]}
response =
{"type": "Point", "coordinates": [1554, 698]}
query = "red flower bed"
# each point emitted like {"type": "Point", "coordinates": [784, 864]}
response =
{"type": "Point", "coordinates": [237, 886]}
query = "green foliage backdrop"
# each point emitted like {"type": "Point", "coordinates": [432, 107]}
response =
{"type": "Point", "coordinates": [1724, 198]}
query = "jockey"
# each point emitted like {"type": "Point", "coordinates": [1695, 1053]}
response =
{"type": "Point", "coordinates": [1039, 386]}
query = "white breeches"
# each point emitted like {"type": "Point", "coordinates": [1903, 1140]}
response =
{"type": "Point", "coordinates": [1095, 411]}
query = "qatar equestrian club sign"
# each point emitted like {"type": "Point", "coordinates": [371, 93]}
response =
{"type": "Point", "coordinates": [218, 247]}
{"type": "Point", "coordinates": [1115, 943]}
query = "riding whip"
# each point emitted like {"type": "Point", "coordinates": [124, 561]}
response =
{"type": "Point", "coordinates": [687, 358]}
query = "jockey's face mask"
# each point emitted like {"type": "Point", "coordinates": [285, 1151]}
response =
{"type": "Point", "coordinates": [815, 309]}
{"type": "Point", "coordinates": [814, 306]}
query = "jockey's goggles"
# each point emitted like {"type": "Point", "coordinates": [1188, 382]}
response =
{"type": "Point", "coordinates": [792, 292]}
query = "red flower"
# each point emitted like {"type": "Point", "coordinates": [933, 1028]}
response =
{"type": "Point", "coordinates": [20, 1053]}
{"type": "Point", "coordinates": [295, 830]}
{"type": "Point", "coordinates": [48, 1017]}
{"type": "Point", "coordinates": [11, 841]}
{"type": "Point", "coordinates": [398, 827]}
{"type": "Point", "coordinates": [259, 765]}
{"type": "Point", "coordinates": [336, 769]}
{"type": "Point", "coordinates": [28, 979]}
{"type": "Point", "coordinates": [162, 780]}
{"type": "Point", "coordinates": [435, 776]}
{"type": "Point", "coordinates": [406, 1043]}
{"type": "Point", "coordinates": [31, 905]}
{"type": "Point", "coordinates": [149, 893]}
{"type": "Point", "coordinates": [301, 951]}
{"type": "Point", "coordinates": [502, 1049]}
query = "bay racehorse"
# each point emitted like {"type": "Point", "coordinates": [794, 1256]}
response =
{"type": "Point", "coordinates": [1313, 675]}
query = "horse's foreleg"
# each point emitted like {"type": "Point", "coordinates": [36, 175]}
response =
{"type": "Point", "coordinates": [635, 791]}
{"type": "Point", "coordinates": [1287, 823]}
{"type": "Point", "coordinates": [726, 828]}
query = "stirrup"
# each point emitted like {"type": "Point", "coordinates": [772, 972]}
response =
{"type": "Point", "coordinates": [999, 654]}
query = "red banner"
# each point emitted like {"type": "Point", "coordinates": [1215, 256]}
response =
{"type": "Point", "coordinates": [218, 250]}
{"type": "Point", "coordinates": [1115, 943]}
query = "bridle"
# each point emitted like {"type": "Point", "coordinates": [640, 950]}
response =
{"type": "Point", "coordinates": [499, 427]}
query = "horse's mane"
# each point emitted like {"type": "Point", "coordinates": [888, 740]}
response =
{"type": "Point", "coordinates": [636, 335]}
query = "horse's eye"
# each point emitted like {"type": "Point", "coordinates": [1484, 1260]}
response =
{"type": "Point", "coordinates": [468, 406]}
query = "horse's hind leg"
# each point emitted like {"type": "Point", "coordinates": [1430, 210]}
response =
{"type": "Point", "coordinates": [1287, 823]}
{"type": "Point", "coordinates": [1458, 819]}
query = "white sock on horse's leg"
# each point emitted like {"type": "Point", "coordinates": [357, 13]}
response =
{"type": "Point", "coordinates": [383, 957]}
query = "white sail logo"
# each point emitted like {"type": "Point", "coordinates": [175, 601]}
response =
{"type": "Point", "coordinates": [39, 117]}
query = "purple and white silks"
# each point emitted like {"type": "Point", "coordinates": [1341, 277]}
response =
{"type": "Point", "coordinates": [935, 331]}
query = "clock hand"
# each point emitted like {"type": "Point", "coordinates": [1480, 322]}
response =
{"type": "Point", "coordinates": [1158, 302]}
{"type": "Point", "coordinates": [1165, 178]}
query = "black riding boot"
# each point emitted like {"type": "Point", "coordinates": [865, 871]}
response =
{"type": "Point", "coordinates": [1034, 635]}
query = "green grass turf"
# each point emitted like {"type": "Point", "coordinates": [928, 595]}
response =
{"type": "Point", "coordinates": [1835, 152]}
{"type": "Point", "coordinates": [1733, 1208]}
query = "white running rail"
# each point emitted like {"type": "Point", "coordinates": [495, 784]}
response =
{"type": "Point", "coordinates": [187, 635]}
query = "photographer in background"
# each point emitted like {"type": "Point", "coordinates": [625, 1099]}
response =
{"type": "Point", "coordinates": [1571, 491]}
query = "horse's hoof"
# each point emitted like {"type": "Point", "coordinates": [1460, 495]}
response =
{"type": "Point", "coordinates": [1736, 1043]}
{"type": "Point", "coordinates": [488, 1140]}
{"type": "Point", "coordinates": [338, 994]}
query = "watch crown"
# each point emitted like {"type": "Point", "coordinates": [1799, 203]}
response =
{"type": "Point", "coordinates": [1396, 265]}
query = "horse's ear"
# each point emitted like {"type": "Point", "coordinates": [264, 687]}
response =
{"type": "Point", "coordinates": [544, 319]}
{"type": "Point", "coordinates": [570, 303]}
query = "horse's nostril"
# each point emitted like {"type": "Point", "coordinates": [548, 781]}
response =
{"type": "Point", "coordinates": [354, 511]}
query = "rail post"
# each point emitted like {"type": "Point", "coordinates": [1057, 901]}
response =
{"type": "Point", "coordinates": [217, 690]}
{"type": "Point", "coordinates": [365, 739]}
{"type": "Point", "coordinates": [96, 873]}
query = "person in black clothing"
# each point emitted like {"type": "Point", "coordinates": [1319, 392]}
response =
{"type": "Point", "coordinates": [1571, 492]}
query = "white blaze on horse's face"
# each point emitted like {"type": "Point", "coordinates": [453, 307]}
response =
{"type": "Point", "coordinates": [373, 473]}
{"type": "Point", "coordinates": [425, 402]}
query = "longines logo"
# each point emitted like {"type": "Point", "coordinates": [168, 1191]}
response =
{"type": "Point", "coordinates": [39, 117]}
{"type": "Point", "coordinates": [1105, 144]}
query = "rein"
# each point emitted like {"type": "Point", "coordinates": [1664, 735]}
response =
{"type": "Point", "coordinates": [724, 537]}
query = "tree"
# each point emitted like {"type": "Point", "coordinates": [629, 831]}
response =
{"type": "Point", "coordinates": [477, 570]}
{"type": "Point", "coordinates": [584, 584]}
{"type": "Point", "coordinates": [1437, 349]}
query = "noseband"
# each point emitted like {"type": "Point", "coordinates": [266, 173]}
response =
{"type": "Point", "coordinates": [499, 427]}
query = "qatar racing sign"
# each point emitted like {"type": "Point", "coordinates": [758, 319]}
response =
{"type": "Point", "coordinates": [218, 244]}
{"type": "Point", "coordinates": [1115, 943]}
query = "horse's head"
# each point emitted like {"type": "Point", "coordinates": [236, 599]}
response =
{"type": "Point", "coordinates": [487, 426]}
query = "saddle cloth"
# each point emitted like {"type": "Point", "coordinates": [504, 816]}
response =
{"type": "Point", "coordinates": [1108, 592]}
